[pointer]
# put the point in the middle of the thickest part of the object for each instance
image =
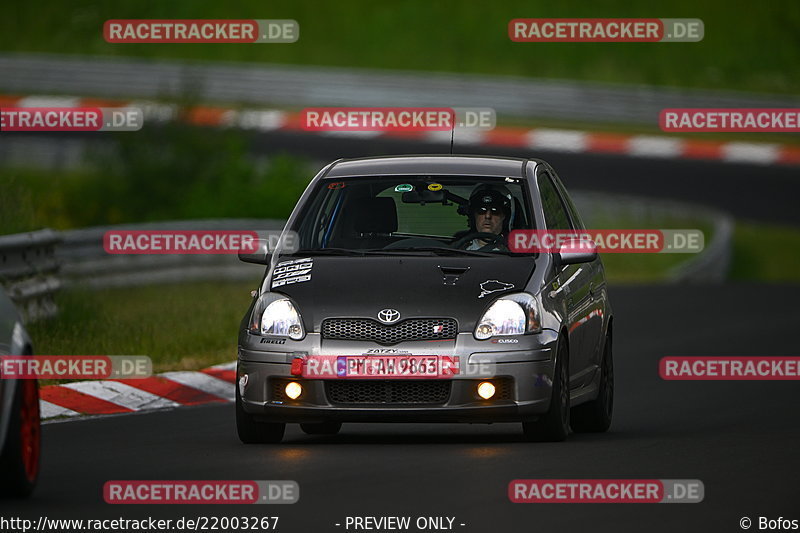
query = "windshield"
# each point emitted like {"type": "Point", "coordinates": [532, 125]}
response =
{"type": "Point", "coordinates": [453, 215]}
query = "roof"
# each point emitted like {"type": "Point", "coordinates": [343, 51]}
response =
{"type": "Point", "coordinates": [461, 165]}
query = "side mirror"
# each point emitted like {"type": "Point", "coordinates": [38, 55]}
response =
{"type": "Point", "coordinates": [576, 250]}
{"type": "Point", "coordinates": [259, 255]}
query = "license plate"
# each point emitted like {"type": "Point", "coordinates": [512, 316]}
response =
{"type": "Point", "coordinates": [383, 366]}
{"type": "Point", "coordinates": [380, 366]}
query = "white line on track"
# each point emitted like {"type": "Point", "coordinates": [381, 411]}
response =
{"type": "Point", "coordinates": [122, 394]}
{"type": "Point", "coordinates": [203, 382]}
{"type": "Point", "coordinates": [49, 410]}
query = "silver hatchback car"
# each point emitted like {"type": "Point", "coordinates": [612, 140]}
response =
{"type": "Point", "coordinates": [401, 300]}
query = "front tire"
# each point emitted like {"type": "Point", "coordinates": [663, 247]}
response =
{"type": "Point", "coordinates": [252, 432]}
{"type": "Point", "coordinates": [553, 426]}
{"type": "Point", "coordinates": [19, 461]}
{"type": "Point", "coordinates": [595, 416]}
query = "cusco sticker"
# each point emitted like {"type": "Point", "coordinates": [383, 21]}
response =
{"type": "Point", "coordinates": [404, 187]}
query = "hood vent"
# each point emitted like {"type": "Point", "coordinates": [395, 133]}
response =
{"type": "Point", "coordinates": [451, 275]}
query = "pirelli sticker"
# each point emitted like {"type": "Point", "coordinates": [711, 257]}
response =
{"type": "Point", "coordinates": [291, 272]}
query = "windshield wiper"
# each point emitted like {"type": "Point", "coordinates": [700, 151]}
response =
{"type": "Point", "coordinates": [440, 251]}
{"type": "Point", "coordinates": [330, 251]}
{"type": "Point", "coordinates": [396, 251]}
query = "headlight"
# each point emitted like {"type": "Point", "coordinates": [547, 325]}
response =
{"type": "Point", "coordinates": [514, 314]}
{"type": "Point", "coordinates": [276, 317]}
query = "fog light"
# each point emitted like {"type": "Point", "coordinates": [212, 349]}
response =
{"type": "Point", "coordinates": [294, 390]}
{"type": "Point", "coordinates": [486, 390]}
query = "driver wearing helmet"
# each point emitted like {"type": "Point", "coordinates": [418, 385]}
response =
{"type": "Point", "coordinates": [489, 211]}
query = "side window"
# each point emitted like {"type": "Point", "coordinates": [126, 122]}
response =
{"type": "Point", "coordinates": [573, 211]}
{"type": "Point", "coordinates": [316, 231]}
{"type": "Point", "coordinates": [555, 215]}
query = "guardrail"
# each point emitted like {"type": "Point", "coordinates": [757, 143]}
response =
{"type": "Point", "coordinates": [28, 269]}
{"type": "Point", "coordinates": [85, 261]}
{"type": "Point", "coordinates": [34, 266]}
{"type": "Point", "coordinates": [293, 86]}
{"type": "Point", "coordinates": [709, 266]}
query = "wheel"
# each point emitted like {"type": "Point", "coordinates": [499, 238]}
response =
{"type": "Point", "coordinates": [19, 462]}
{"type": "Point", "coordinates": [595, 416]}
{"type": "Point", "coordinates": [323, 428]}
{"type": "Point", "coordinates": [553, 426]}
{"type": "Point", "coordinates": [252, 432]}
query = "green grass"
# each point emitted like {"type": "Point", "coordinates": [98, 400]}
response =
{"type": "Point", "coordinates": [170, 173]}
{"type": "Point", "coordinates": [180, 327]}
{"type": "Point", "coordinates": [766, 252]}
{"type": "Point", "coordinates": [747, 46]}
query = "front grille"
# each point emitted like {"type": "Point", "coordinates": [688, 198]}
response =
{"type": "Point", "coordinates": [278, 389]}
{"type": "Point", "coordinates": [504, 388]}
{"type": "Point", "coordinates": [413, 329]}
{"type": "Point", "coordinates": [388, 392]}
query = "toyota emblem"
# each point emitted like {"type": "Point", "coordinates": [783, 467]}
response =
{"type": "Point", "coordinates": [388, 316]}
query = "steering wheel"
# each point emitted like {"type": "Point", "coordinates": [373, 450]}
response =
{"type": "Point", "coordinates": [490, 239]}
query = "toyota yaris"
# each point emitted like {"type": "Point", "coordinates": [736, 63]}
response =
{"type": "Point", "coordinates": [393, 295]}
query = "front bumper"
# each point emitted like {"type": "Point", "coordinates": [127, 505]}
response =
{"type": "Point", "coordinates": [524, 391]}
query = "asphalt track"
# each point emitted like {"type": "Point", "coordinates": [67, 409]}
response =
{"type": "Point", "coordinates": [740, 438]}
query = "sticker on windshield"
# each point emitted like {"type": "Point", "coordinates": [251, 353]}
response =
{"type": "Point", "coordinates": [435, 187]}
{"type": "Point", "coordinates": [291, 272]}
{"type": "Point", "coordinates": [336, 185]}
{"type": "Point", "coordinates": [404, 187]}
{"type": "Point", "coordinates": [492, 285]}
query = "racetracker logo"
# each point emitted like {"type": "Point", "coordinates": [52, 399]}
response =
{"type": "Point", "coordinates": [70, 119]}
{"type": "Point", "coordinates": [729, 368]}
{"type": "Point", "coordinates": [394, 366]}
{"type": "Point", "coordinates": [201, 492]}
{"type": "Point", "coordinates": [200, 31]}
{"type": "Point", "coordinates": [605, 30]}
{"type": "Point", "coordinates": [410, 119]}
{"type": "Point", "coordinates": [180, 242]}
{"type": "Point", "coordinates": [606, 491]}
{"type": "Point", "coordinates": [75, 367]}
{"type": "Point", "coordinates": [727, 120]}
{"type": "Point", "coordinates": [642, 241]}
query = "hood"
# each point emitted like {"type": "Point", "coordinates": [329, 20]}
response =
{"type": "Point", "coordinates": [360, 287]}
